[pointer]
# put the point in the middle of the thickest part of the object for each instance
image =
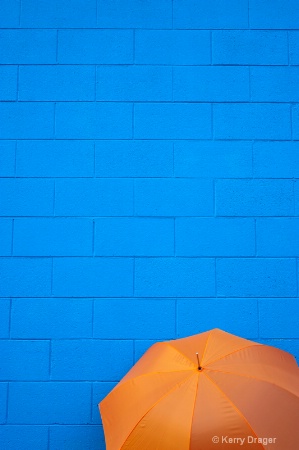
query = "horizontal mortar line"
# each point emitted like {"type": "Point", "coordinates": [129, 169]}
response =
{"type": "Point", "coordinates": [157, 297]}
{"type": "Point", "coordinates": [99, 28]}
{"type": "Point", "coordinates": [120, 299]}
{"type": "Point", "coordinates": [131, 64]}
{"type": "Point", "coordinates": [158, 102]}
{"type": "Point", "coordinates": [183, 139]}
{"type": "Point", "coordinates": [157, 177]}
{"type": "Point", "coordinates": [201, 257]}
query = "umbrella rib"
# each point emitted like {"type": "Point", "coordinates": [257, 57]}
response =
{"type": "Point", "coordinates": [186, 357]}
{"type": "Point", "coordinates": [193, 411]}
{"type": "Point", "coordinates": [255, 378]}
{"type": "Point", "coordinates": [176, 386]}
{"type": "Point", "coordinates": [120, 384]}
{"type": "Point", "coordinates": [234, 406]}
{"type": "Point", "coordinates": [231, 353]}
{"type": "Point", "coordinates": [204, 350]}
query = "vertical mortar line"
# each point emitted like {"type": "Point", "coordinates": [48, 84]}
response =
{"type": "Point", "coordinates": [54, 125]}
{"type": "Point", "coordinates": [211, 48]}
{"type": "Point", "coordinates": [95, 82]}
{"type": "Point", "coordinates": [133, 121]}
{"type": "Point", "coordinates": [248, 13]}
{"type": "Point", "coordinates": [7, 400]}
{"type": "Point", "coordinates": [52, 276]}
{"type": "Point", "coordinates": [9, 318]}
{"type": "Point", "coordinates": [215, 279]}
{"type": "Point", "coordinates": [255, 238]}
{"type": "Point", "coordinates": [134, 277]}
{"type": "Point", "coordinates": [134, 45]}
{"type": "Point", "coordinates": [18, 81]}
{"type": "Point", "coordinates": [173, 171]}
{"type": "Point", "coordinates": [56, 50]}
{"type": "Point", "coordinates": [214, 197]}
{"type": "Point", "coordinates": [133, 181]}
{"type": "Point", "coordinates": [54, 195]}
{"type": "Point", "coordinates": [258, 317]}
{"type": "Point", "coordinates": [252, 159]}
{"type": "Point", "coordinates": [172, 83]}
{"type": "Point", "coordinates": [134, 351]}
{"type": "Point", "coordinates": [15, 160]}
{"type": "Point", "coordinates": [212, 121]}
{"type": "Point", "coordinates": [50, 359]}
{"type": "Point", "coordinates": [172, 11]}
{"type": "Point", "coordinates": [174, 237]}
{"type": "Point", "coordinates": [93, 237]}
{"type": "Point", "coordinates": [94, 159]}
{"type": "Point", "coordinates": [176, 317]}
{"type": "Point", "coordinates": [288, 47]}
{"type": "Point", "coordinates": [12, 236]}
{"type": "Point", "coordinates": [48, 447]}
{"type": "Point", "coordinates": [91, 402]}
{"type": "Point", "coordinates": [291, 120]}
{"type": "Point", "coordinates": [249, 84]}
{"type": "Point", "coordinates": [92, 316]}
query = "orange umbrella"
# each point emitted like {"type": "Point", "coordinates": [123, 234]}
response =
{"type": "Point", "coordinates": [208, 391]}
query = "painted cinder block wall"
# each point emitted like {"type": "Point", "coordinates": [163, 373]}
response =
{"type": "Point", "coordinates": [149, 154]}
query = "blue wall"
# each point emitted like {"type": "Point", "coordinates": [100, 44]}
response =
{"type": "Point", "coordinates": [148, 158]}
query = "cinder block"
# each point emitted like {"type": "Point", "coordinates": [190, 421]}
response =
{"type": "Point", "coordinates": [277, 237]}
{"type": "Point", "coordinates": [134, 159]}
{"type": "Point", "coordinates": [9, 15]}
{"type": "Point", "coordinates": [254, 198]}
{"type": "Point", "coordinates": [92, 277]}
{"type": "Point", "coordinates": [180, 121]}
{"type": "Point", "coordinates": [294, 47]}
{"type": "Point", "coordinates": [256, 277]}
{"type": "Point", "coordinates": [49, 403]}
{"type": "Point", "coordinates": [211, 83]}
{"type": "Point", "coordinates": [134, 237]}
{"type": "Point", "coordinates": [274, 84]}
{"type": "Point", "coordinates": [26, 197]}
{"type": "Point", "coordinates": [24, 360]}
{"type": "Point", "coordinates": [99, 392]}
{"type": "Point", "coordinates": [174, 197]}
{"type": "Point", "coordinates": [62, 83]}
{"type": "Point", "coordinates": [234, 315]}
{"type": "Point", "coordinates": [134, 83]}
{"type": "Point", "coordinates": [25, 277]}
{"type": "Point", "coordinates": [276, 159]}
{"type": "Point", "coordinates": [250, 47]}
{"type": "Point", "coordinates": [95, 46]}
{"type": "Point", "coordinates": [87, 359]}
{"type": "Point", "coordinates": [101, 197]}
{"type": "Point", "coordinates": [276, 14]}
{"type": "Point", "coordinates": [174, 277]}
{"type": "Point", "coordinates": [4, 314]}
{"type": "Point", "coordinates": [215, 159]}
{"type": "Point", "coordinates": [135, 14]}
{"type": "Point", "coordinates": [26, 120]}
{"type": "Point", "coordinates": [51, 318]}
{"type": "Point", "coordinates": [28, 46]}
{"type": "Point", "coordinates": [53, 237]}
{"type": "Point", "coordinates": [73, 437]}
{"type": "Point", "coordinates": [252, 121]}
{"type": "Point", "coordinates": [295, 122]}
{"type": "Point", "coordinates": [5, 237]}
{"type": "Point", "coordinates": [214, 237]}
{"type": "Point", "coordinates": [57, 14]}
{"type": "Point", "coordinates": [88, 120]}
{"type": "Point", "coordinates": [55, 158]}
{"type": "Point", "coordinates": [23, 437]}
{"type": "Point", "coordinates": [8, 82]}
{"type": "Point", "coordinates": [172, 47]}
{"type": "Point", "coordinates": [134, 319]}
{"type": "Point", "coordinates": [212, 14]}
{"type": "Point", "coordinates": [279, 317]}
{"type": "Point", "coordinates": [7, 158]}
{"type": "Point", "coordinates": [3, 404]}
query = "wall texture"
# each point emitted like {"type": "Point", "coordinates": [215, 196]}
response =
{"type": "Point", "coordinates": [148, 157]}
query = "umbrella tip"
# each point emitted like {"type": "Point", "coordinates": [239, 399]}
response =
{"type": "Point", "coordinates": [199, 367]}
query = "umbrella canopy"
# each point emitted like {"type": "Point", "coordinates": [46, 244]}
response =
{"type": "Point", "coordinates": [208, 391]}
